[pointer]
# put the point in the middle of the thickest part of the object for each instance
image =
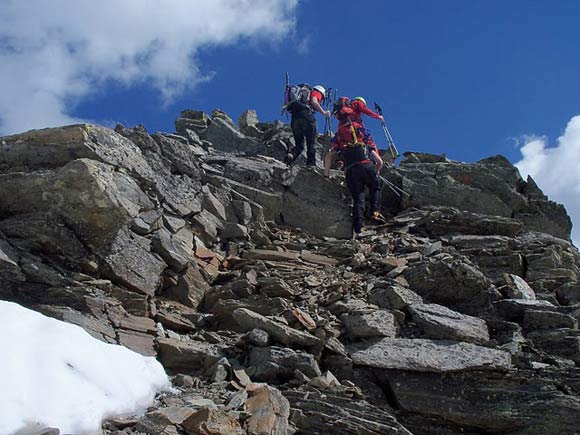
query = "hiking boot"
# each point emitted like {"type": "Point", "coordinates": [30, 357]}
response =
{"type": "Point", "coordinates": [378, 217]}
{"type": "Point", "coordinates": [363, 232]}
{"type": "Point", "coordinates": [311, 164]}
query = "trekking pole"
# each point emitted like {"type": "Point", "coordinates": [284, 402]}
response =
{"type": "Point", "coordinates": [286, 89]}
{"type": "Point", "coordinates": [327, 121]}
{"type": "Point", "coordinates": [396, 189]}
{"type": "Point", "coordinates": [390, 142]}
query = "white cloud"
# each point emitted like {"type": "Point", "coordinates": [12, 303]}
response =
{"type": "Point", "coordinates": [54, 53]}
{"type": "Point", "coordinates": [557, 170]}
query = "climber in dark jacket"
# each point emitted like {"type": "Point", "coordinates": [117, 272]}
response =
{"type": "Point", "coordinates": [361, 166]}
{"type": "Point", "coordinates": [303, 125]}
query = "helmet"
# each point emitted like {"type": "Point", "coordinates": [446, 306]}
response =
{"type": "Point", "coordinates": [320, 89]}
{"type": "Point", "coordinates": [361, 99]}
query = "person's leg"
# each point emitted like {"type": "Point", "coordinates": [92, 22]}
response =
{"type": "Point", "coordinates": [310, 133]}
{"type": "Point", "coordinates": [297, 125]}
{"type": "Point", "coordinates": [356, 186]}
{"type": "Point", "coordinates": [372, 181]}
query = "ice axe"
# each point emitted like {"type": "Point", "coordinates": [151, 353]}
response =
{"type": "Point", "coordinates": [393, 152]}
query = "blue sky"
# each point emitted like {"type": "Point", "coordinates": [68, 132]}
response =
{"type": "Point", "coordinates": [457, 77]}
{"type": "Point", "coordinates": [466, 78]}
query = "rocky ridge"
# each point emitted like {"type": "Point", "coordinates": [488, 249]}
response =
{"type": "Point", "coordinates": [460, 315]}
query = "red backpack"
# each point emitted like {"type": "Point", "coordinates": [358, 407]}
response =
{"type": "Point", "coordinates": [341, 109]}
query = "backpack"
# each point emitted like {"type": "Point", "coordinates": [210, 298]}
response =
{"type": "Point", "coordinates": [298, 97]}
{"type": "Point", "coordinates": [341, 108]}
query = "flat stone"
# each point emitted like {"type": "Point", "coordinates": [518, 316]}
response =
{"type": "Point", "coordinates": [428, 356]}
{"type": "Point", "coordinates": [437, 321]}
{"type": "Point", "coordinates": [265, 254]}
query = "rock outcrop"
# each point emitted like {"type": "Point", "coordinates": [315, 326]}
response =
{"type": "Point", "coordinates": [201, 247]}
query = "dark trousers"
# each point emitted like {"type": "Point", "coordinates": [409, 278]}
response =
{"type": "Point", "coordinates": [304, 129]}
{"type": "Point", "coordinates": [357, 177]}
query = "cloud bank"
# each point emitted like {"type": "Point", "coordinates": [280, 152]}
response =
{"type": "Point", "coordinates": [54, 53]}
{"type": "Point", "coordinates": [557, 170]}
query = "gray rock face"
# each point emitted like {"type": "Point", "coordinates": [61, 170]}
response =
{"type": "Point", "coordinates": [205, 249]}
{"type": "Point", "coordinates": [428, 356]}
{"type": "Point", "coordinates": [490, 187]}
{"type": "Point", "coordinates": [440, 322]}
{"type": "Point", "coordinates": [310, 197]}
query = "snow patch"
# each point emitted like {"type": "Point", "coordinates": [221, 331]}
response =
{"type": "Point", "coordinates": [54, 374]}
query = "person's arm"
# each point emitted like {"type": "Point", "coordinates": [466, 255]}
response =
{"type": "Point", "coordinates": [328, 161]}
{"type": "Point", "coordinates": [316, 105]}
{"type": "Point", "coordinates": [364, 109]}
{"type": "Point", "coordinates": [377, 160]}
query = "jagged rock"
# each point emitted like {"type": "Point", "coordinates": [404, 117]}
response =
{"type": "Point", "coordinates": [249, 118]}
{"type": "Point", "coordinates": [147, 222]}
{"type": "Point", "coordinates": [190, 289]}
{"type": "Point", "coordinates": [207, 225]}
{"type": "Point", "coordinates": [284, 334]}
{"type": "Point", "coordinates": [453, 283]}
{"type": "Point", "coordinates": [182, 157]}
{"type": "Point", "coordinates": [224, 136]}
{"type": "Point", "coordinates": [188, 357]}
{"type": "Point", "coordinates": [393, 296]}
{"type": "Point", "coordinates": [234, 231]}
{"type": "Point", "coordinates": [269, 411]}
{"type": "Point", "coordinates": [428, 356]}
{"type": "Point", "coordinates": [379, 323]}
{"type": "Point", "coordinates": [212, 422]}
{"type": "Point", "coordinates": [172, 253]}
{"type": "Point", "coordinates": [277, 364]}
{"type": "Point", "coordinates": [518, 288]}
{"type": "Point", "coordinates": [128, 261]}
